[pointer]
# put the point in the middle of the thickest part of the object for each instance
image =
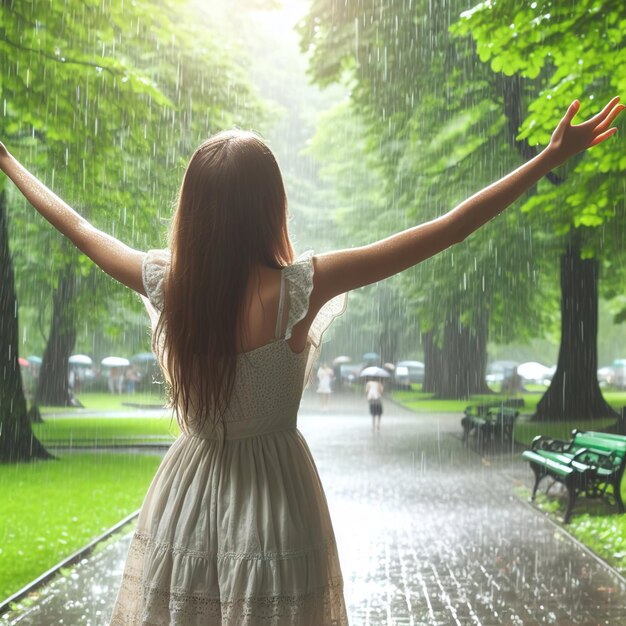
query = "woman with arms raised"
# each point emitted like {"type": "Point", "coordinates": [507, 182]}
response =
{"type": "Point", "coordinates": [235, 528]}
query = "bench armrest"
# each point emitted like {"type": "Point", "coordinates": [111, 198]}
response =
{"type": "Point", "coordinates": [553, 445]}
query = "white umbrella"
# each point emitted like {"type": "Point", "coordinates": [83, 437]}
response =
{"type": "Point", "coordinates": [115, 361]}
{"type": "Point", "coordinates": [80, 359]}
{"type": "Point", "coordinates": [374, 372]}
{"type": "Point", "coordinates": [340, 360]}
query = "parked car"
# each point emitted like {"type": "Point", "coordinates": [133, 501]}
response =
{"type": "Point", "coordinates": [498, 371]}
{"type": "Point", "coordinates": [619, 373]}
{"type": "Point", "coordinates": [349, 372]}
{"type": "Point", "coordinates": [414, 370]}
{"type": "Point", "coordinates": [533, 372]}
{"type": "Point", "coordinates": [605, 376]}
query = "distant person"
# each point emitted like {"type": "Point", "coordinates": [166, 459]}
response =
{"type": "Point", "coordinates": [374, 392]}
{"type": "Point", "coordinates": [114, 379]}
{"type": "Point", "coordinates": [325, 377]}
{"type": "Point", "coordinates": [132, 377]}
{"type": "Point", "coordinates": [235, 528]}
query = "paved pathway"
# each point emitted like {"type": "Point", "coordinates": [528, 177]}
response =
{"type": "Point", "coordinates": [428, 534]}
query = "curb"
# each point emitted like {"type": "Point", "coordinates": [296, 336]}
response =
{"type": "Point", "coordinates": [70, 560]}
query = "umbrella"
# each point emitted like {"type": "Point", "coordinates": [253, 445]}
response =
{"type": "Point", "coordinates": [80, 359]}
{"type": "Point", "coordinates": [23, 362]}
{"type": "Point", "coordinates": [374, 372]}
{"type": "Point", "coordinates": [340, 360]}
{"type": "Point", "coordinates": [371, 356]}
{"type": "Point", "coordinates": [115, 361]}
{"type": "Point", "coordinates": [144, 357]}
{"type": "Point", "coordinates": [35, 360]}
{"type": "Point", "coordinates": [389, 366]}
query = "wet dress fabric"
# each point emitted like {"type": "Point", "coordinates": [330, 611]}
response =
{"type": "Point", "coordinates": [235, 529]}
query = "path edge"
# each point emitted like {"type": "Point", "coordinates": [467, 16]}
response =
{"type": "Point", "coordinates": [73, 559]}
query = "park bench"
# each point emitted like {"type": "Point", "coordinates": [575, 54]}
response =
{"type": "Point", "coordinates": [591, 463]}
{"type": "Point", "coordinates": [490, 423]}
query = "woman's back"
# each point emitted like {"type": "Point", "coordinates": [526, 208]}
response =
{"type": "Point", "coordinates": [236, 512]}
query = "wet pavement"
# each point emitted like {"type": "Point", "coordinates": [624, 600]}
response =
{"type": "Point", "coordinates": [429, 533]}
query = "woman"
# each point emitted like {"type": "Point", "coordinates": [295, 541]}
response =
{"type": "Point", "coordinates": [374, 393]}
{"type": "Point", "coordinates": [235, 527]}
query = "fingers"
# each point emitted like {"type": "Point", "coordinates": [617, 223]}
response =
{"type": "Point", "coordinates": [596, 119]}
{"type": "Point", "coordinates": [605, 124]}
{"type": "Point", "coordinates": [571, 112]}
{"type": "Point", "coordinates": [603, 136]}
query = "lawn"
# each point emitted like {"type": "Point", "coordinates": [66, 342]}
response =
{"type": "Point", "coordinates": [421, 402]}
{"type": "Point", "coordinates": [106, 431]}
{"type": "Point", "coordinates": [111, 401]}
{"type": "Point", "coordinates": [49, 509]}
{"type": "Point", "coordinates": [526, 431]}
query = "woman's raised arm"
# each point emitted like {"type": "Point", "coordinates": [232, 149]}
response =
{"type": "Point", "coordinates": [344, 270]}
{"type": "Point", "coordinates": [115, 258]}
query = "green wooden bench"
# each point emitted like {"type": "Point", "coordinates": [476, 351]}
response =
{"type": "Point", "coordinates": [591, 464]}
{"type": "Point", "coordinates": [490, 423]}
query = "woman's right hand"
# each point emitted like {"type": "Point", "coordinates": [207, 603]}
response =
{"type": "Point", "coordinates": [569, 139]}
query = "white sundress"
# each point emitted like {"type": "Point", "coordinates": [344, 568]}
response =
{"type": "Point", "coordinates": [235, 529]}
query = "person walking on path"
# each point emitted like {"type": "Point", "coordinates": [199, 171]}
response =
{"type": "Point", "coordinates": [325, 377]}
{"type": "Point", "coordinates": [235, 527]}
{"type": "Point", "coordinates": [374, 392]}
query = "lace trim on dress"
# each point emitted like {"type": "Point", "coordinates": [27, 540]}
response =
{"type": "Point", "coordinates": [150, 604]}
{"type": "Point", "coordinates": [155, 263]}
{"type": "Point", "coordinates": [299, 279]}
{"type": "Point", "coordinates": [324, 607]}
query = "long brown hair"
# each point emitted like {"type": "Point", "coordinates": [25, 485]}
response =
{"type": "Point", "coordinates": [231, 218]}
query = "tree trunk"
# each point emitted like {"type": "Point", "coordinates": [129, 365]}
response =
{"type": "Point", "coordinates": [574, 391]}
{"type": "Point", "coordinates": [388, 342]}
{"type": "Point", "coordinates": [464, 360]}
{"type": "Point", "coordinates": [53, 388]}
{"type": "Point", "coordinates": [17, 441]}
{"type": "Point", "coordinates": [433, 362]}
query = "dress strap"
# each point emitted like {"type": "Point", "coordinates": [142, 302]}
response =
{"type": "Point", "coordinates": [281, 305]}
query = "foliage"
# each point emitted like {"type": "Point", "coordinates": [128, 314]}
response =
{"type": "Point", "coordinates": [438, 123]}
{"type": "Point", "coordinates": [50, 510]}
{"type": "Point", "coordinates": [574, 51]}
{"type": "Point", "coordinates": [133, 95]}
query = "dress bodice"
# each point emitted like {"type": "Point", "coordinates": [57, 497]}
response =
{"type": "Point", "coordinates": [269, 380]}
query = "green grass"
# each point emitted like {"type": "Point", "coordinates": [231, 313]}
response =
{"type": "Point", "coordinates": [593, 523]}
{"type": "Point", "coordinates": [106, 431]}
{"type": "Point", "coordinates": [426, 403]}
{"type": "Point", "coordinates": [110, 401]}
{"type": "Point", "coordinates": [526, 431]}
{"type": "Point", "coordinates": [49, 509]}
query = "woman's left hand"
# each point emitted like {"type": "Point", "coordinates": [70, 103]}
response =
{"type": "Point", "coordinates": [568, 140]}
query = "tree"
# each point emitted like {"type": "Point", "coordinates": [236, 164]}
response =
{"type": "Point", "coordinates": [570, 51]}
{"type": "Point", "coordinates": [122, 116]}
{"type": "Point", "coordinates": [17, 441]}
{"type": "Point", "coordinates": [138, 117]}
{"type": "Point", "coordinates": [437, 121]}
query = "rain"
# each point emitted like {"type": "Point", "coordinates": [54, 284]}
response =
{"type": "Point", "coordinates": [466, 415]}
